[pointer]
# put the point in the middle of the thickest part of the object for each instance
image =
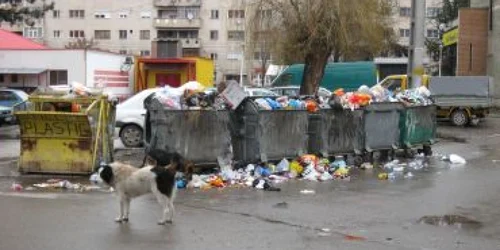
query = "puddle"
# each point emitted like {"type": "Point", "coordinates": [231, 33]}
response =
{"type": "Point", "coordinates": [458, 221]}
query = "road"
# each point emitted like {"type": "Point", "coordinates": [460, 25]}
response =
{"type": "Point", "coordinates": [364, 213]}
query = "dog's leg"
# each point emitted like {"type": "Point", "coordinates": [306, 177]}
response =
{"type": "Point", "coordinates": [127, 209]}
{"type": "Point", "coordinates": [170, 203]}
{"type": "Point", "coordinates": [162, 200]}
{"type": "Point", "coordinates": [122, 207]}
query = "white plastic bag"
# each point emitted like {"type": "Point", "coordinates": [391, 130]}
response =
{"type": "Point", "coordinates": [456, 159]}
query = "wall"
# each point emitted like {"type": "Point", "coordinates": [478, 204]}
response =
{"type": "Point", "coordinates": [133, 23]}
{"type": "Point", "coordinates": [103, 69]}
{"type": "Point", "coordinates": [472, 46]}
{"type": "Point", "coordinates": [70, 60]}
{"type": "Point", "coordinates": [152, 76]}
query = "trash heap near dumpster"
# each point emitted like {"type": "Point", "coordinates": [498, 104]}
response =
{"type": "Point", "coordinates": [265, 140]}
{"type": "Point", "coordinates": [65, 131]}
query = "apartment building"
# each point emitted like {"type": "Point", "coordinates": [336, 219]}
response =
{"type": "Point", "coordinates": [402, 16]}
{"type": "Point", "coordinates": [156, 28]}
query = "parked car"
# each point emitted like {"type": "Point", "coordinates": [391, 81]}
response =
{"type": "Point", "coordinates": [294, 91]}
{"type": "Point", "coordinates": [259, 92]}
{"type": "Point", "coordinates": [9, 99]}
{"type": "Point", "coordinates": [130, 116]}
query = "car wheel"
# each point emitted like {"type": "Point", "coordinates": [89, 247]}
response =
{"type": "Point", "coordinates": [459, 117]}
{"type": "Point", "coordinates": [131, 136]}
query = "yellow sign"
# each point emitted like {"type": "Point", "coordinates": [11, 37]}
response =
{"type": "Point", "coordinates": [54, 125]}
{"type": "Point", "coordinates": [450, 37]}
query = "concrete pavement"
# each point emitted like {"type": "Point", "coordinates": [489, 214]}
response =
{"type": "Point", "coordinates": [382, 214]}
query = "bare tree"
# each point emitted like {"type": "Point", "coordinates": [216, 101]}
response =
{"type": "Point", "coordinates": [81, 43]}
{"type": "Point", "coordinates": [311, 31]}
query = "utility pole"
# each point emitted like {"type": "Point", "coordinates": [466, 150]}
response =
{"type": "Point", "coordinates": [417, 43]}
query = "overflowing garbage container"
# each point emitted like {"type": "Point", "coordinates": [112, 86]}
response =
{"type": "Point", "coordinates": [65, 132]}
{"type": "Point", "coordinates": [333, 131]}
{"type": "Point", "coordinates": [268, 135]}
{"type": "Point", "coordinates": [418, 126]}
{"type": "Point", "coordinates": [202, 136]}
{"type": "Point", "coordinates": [381, 126]}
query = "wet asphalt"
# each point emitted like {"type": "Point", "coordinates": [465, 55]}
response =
{"type": "Point", "coordinates": [364, 213]}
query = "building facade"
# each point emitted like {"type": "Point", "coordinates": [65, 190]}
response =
{"type": "Point", "coordinates": [157, 28]}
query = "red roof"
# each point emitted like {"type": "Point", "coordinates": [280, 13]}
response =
{"type": "Point", "coordinates": [9, 40]}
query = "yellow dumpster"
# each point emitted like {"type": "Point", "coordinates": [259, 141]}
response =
{"type": "Point", "coordinates": [65, 135]}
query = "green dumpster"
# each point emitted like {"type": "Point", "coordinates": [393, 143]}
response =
{"type": "Point", "coordinates": [418, 126]}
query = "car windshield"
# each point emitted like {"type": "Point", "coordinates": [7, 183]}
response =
{"type": "Point", "coordinates": [137, 99]}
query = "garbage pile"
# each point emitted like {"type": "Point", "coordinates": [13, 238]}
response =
{"type": "Point", "coordinates": [190, 96]}
{"type": "Point", "coordinates": [265, 176]}
{"type": "Point", "coordinates": [365, 96]}
{"type": "Point", "coordinates": [56, 184]}
{"type": "Point", "coordinates": [286, 103]}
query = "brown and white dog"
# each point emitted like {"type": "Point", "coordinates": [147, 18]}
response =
{"type": "Point", "coordinates": [130, 182]}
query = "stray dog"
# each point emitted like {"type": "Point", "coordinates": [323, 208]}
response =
{"type": "Point", "coordinates": [130, 182]}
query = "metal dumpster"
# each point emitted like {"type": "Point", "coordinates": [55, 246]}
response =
{"type": "Point", "coordinates": [381, 126]}
{"type": "Point", "coordinates": [201, 136]}
{"type": "Point", "coordinates": [65, 135]}
{"type": "Point", "coordinates": [418, 126]}
{"type": "Point", "coordinates": [265, 135]}
{"type": "Point", "coordinates": [336, 132]}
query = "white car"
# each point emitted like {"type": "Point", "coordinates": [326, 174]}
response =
{"type": "Point", "coordinates": [130, 117]}
{"type": "Point", "coordinates": [259, 92]}
{"type": "Point", "coordinates": [294, 91]}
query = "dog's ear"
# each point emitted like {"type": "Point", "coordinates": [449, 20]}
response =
{"type": "Point", "coordinates": [106, 173]}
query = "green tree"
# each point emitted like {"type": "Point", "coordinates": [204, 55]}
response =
{"type": "Point", "coordinates": [15, 11]}
{"type": "Point", "coordinates": [313, 31]}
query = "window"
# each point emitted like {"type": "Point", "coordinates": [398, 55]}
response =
{"type": "Point", "coordinates": [236, 14]}
{"type": "Point", "coordinates": [58, 77]}
{"type": "Point", "coordinates": [214, 56]}
{"type": "Point", "coordinates": [14, 78]}
{"type": "Point", "coordinates": [265, 14]}
{"type": "Point", "coordinates": [123, 15]}
{"type": "Point", "coordinates": [432, 33]}
{"type": "Point", "coordinates": [2, 78]}
{"type": "Point", "coordinates": [145, 52]}
{"type": "Point", "coordinates": [394, 84]}
{"type": "Point", "coordinates": [76, 34]}
{"type": "Point", "coordinates": [57, 33]}
{"type": "Point", "coordinates": [102, 34]}
{"type": "Point", "coordinates": [7, 96]}
{"type": "Point", "coordinates": [179, 12]}
{"type": "Point", "coordinates": [236, 35]}
{"type": "Point", "coordinates": [214, 14]}
{"type": "Point", "coordinates": [145, 14]}
{"type": "Point", "coordinates": [76, 13]}
{"type": "Point", "coordinates": [123, 52]}
{"type": "Point", "coordinates": [122, 34]}
{"type": "Point", "coordinates": [404, 32]}
{"type": "Point", "coordinates": [145, 35]}
{"type": "Point", "coordinates": [405, 11]}
{"type": "Point", "coordinates": [102, 15]}
{"type": "Point", "coordinates": [433, 12]}
{"type": "Point", "coordinates": [56, 14]}
{"type": "Point", "coordinates": [214, 35]}
{"type": "Point", "coordinates": [177, 34]}
{"type": "Point", "coordinates": [32, 32]}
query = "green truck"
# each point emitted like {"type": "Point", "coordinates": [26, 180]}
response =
{"type": "Point", "coordinates": [349, 76]}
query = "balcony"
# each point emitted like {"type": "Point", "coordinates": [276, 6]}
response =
{"type": "Point", "coordinates": [168, 3]}
{"type": "Point", "coordinates": [177, 23]}
{"type": "Point", "coordinates": [186, 43]}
